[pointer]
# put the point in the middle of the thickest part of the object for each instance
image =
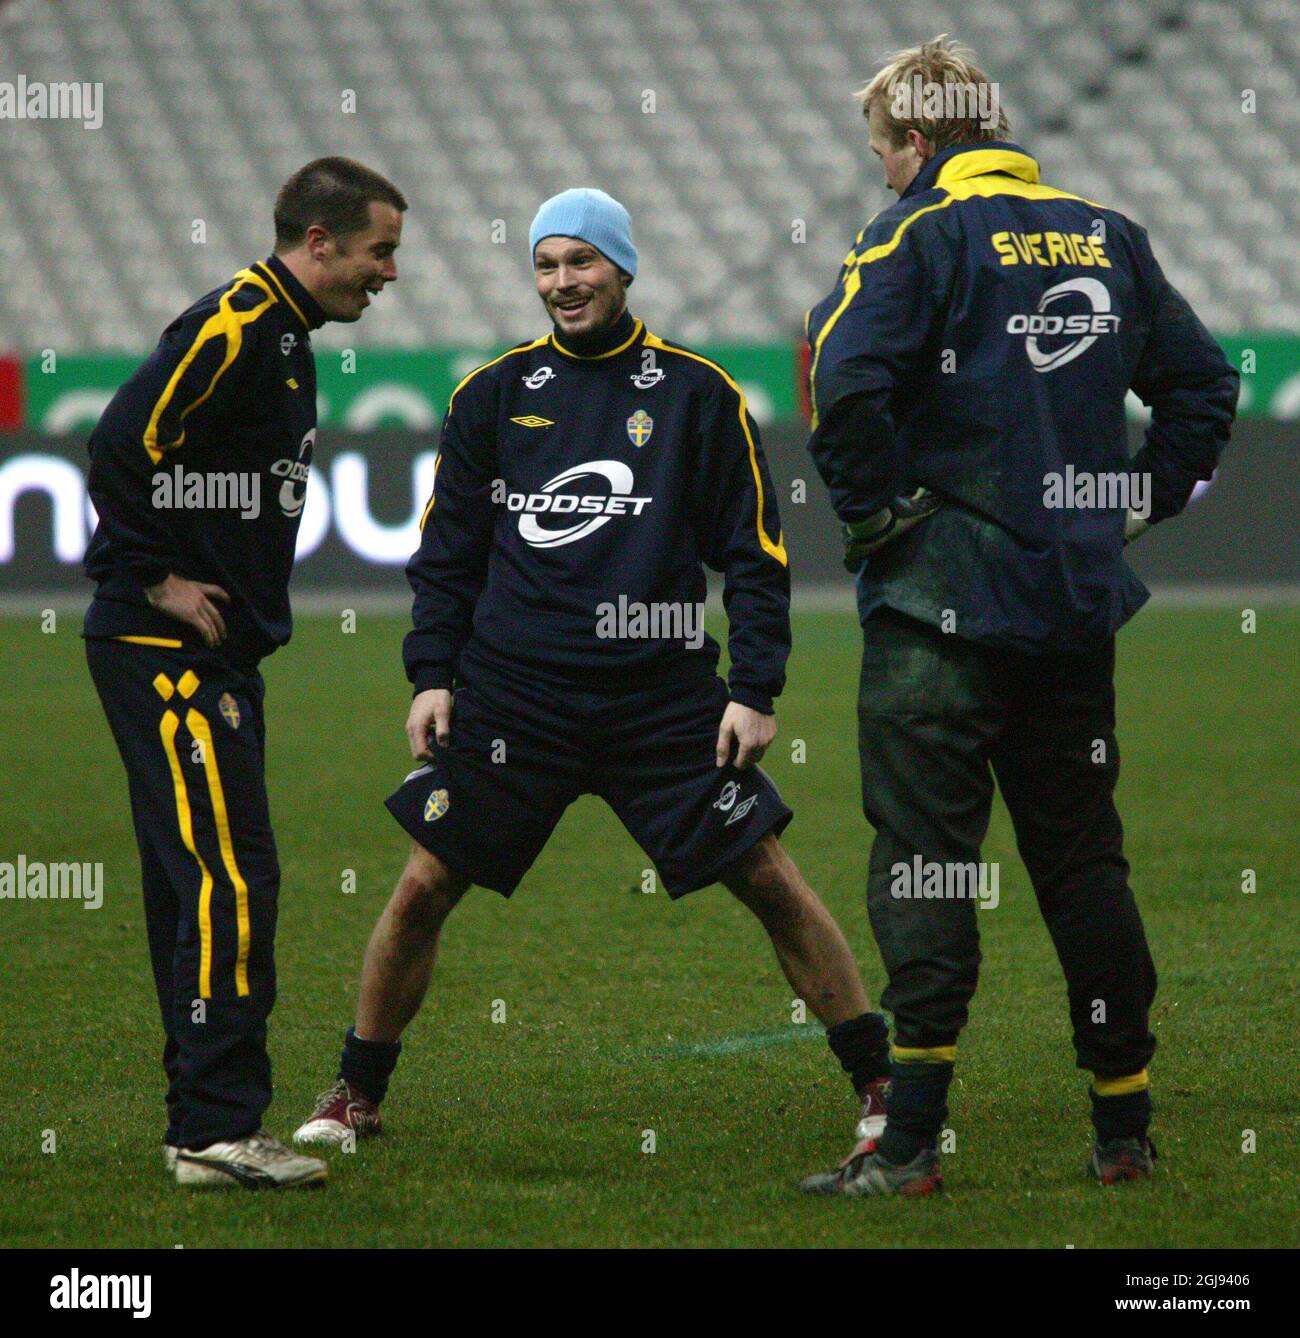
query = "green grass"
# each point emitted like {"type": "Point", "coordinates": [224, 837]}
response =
{"type": "Point", "coordinates": [626, 1013]}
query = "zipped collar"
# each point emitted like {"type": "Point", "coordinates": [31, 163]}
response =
{"type": "Point", "coordinates": [607, 343]}
{"type": "Point", "coordinates": [303, 305]}
{"type": "Point", "coordinates": [964, 161]}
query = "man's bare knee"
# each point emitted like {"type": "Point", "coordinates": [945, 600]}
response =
{"type": "Point", "coordinates": [766, 880]}
{"type": "Point", "coordinates": [426, 892]}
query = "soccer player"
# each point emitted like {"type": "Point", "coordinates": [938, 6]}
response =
{"type": "Point", "coordinates": [974, 355]}
{"type": "Point", "coordinates": [199, 472]}
{"type": "Point", "coordinates": [584, 479]}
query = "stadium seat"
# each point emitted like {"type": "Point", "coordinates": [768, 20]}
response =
{"type": "Point", "coordinates": [475, 111]}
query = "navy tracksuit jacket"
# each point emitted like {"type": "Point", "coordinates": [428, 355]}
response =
{"type": "Point", "coordinates": [982, 335]}
{"type": "Point", "coordinates": [567, 481]}
{"type": "Point", "coordinates": [231, 387]}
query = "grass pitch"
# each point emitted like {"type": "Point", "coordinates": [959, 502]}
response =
{"type": "Point", "coordinates": [625, 1014]}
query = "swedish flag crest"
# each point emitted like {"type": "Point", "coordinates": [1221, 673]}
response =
{"type": "Point", "coordinates": [436, 805]}
{"type": "Point", "coordinates": [639, 428]}
{"type": "Point", "coordinates": [229, 709]}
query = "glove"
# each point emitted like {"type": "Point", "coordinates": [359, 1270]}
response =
{"type": "Point", "coordinates": [1133, 526]}
{"type": "Point", "coordinates": [864, 538]}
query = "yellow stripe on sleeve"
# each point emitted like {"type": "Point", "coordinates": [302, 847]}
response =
{"type": "Point", "coordinates": [852, 285]}
{"type": "Point", "coordinates": [776, 550]}
{"type": "Point", "coordinates": [226, 323]}
{"type": "Point", "coordinates": [433, 492]}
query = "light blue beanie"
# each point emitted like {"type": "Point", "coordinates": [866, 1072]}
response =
{"type": "Point", "coordinates": [592, 216]}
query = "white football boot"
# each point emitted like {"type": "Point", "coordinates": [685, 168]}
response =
{"type": "Point", "coordinates": [200, 1175]}
{"type": "Point", "coordinates": [256, 1162]}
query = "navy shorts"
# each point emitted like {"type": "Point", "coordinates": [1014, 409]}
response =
{"type": "Point", "coordinates": [521, 751]}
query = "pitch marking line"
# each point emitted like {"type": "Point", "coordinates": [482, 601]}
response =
{"type": "Point", "coordinates": [738, 1044]}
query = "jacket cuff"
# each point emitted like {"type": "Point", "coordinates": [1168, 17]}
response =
{"type": "Point", "coordinates": [146, 572]}
{"type": "Point", "coordinates": [429, 676]}
{"type": "Point", "coordinates": [752, 697]}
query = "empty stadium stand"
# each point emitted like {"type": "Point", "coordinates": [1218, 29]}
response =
{"type": "Point", "coordinates": [720, 123]}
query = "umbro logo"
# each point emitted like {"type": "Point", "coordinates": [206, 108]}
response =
{"type": "Point", "coordinates": [726, 801]}
{"type": "Point", "coordinates": [532, 420]}
{"type": "Point", "coordinates": [536, 380]}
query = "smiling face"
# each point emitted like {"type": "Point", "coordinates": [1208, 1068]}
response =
{"type": "Point", "coordinates": [581, 289]}
{"type": "Point", "coordinates": [347, 270]}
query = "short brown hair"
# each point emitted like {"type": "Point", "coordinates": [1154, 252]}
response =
{"type": "Point", "coordinates": [333, 192]}
{"type": "Point", "coordinates": [952, 69]}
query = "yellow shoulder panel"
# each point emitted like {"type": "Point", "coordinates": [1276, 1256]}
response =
{"type": "Point", "coordinates": [853, 282]}
{"type": "Point", "coordinates": [523, 348]}
{"type": "Point", "coordinates": [776, 550]}
{"type": "Point", "coordinates": [225, 323]}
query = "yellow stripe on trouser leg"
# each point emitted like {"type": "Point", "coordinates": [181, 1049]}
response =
{"type": "Point", "coordinates": [168, 726]}
{"type": "Point", "coordinates": [1135, 1082]}
{"type": "Point", "coordinates": [928, 1054]}
{"type": "Point", "coordinates": [198, 726]}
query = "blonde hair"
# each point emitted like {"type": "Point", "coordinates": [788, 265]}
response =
{"type": "Point", "coordinates": [909, 87]}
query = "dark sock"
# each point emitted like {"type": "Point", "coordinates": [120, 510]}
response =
{"type": "Point", "coordinates": [366, 1066]}
{"type": "Point", "coordinates": [918, 1106]}
{"type": "Point", "coordinates": [861, 1044]}
{"type": "Point", "coordinates": [1126, 1116]}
